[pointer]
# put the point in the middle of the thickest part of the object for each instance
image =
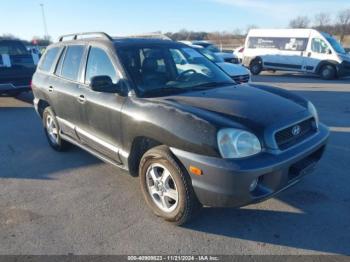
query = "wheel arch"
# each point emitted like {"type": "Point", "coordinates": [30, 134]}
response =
{"type": "Point", "coordinates": [42, 104]}
{"type": "Point", "coordinates": [140, 145]}
{"type": "Point", "coordinates": [327, 62]}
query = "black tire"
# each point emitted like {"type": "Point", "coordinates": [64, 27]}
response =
{"type": "Point", "coordinates": [328, 72]}
{"type": "Point", "coordinates": [256, 66]}
{"type": "Point", "coordinates": [58, 144]}
{"type": "Point", "coordinates": [187, 205]}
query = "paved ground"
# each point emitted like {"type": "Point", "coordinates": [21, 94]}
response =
{"type": "Point", "coordinates": [60, 203]}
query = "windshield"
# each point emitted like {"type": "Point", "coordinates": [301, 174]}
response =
{"type": "Point", "coordinates": [335, 44]}
{"type": "Point", "coordinates": [12, 48]}
{"type": "Point", "coordinates": [166, 69]}
{"type": "Point", "coordinates": [210, 55]}
{"type": "Point", "coordinates": [213, 48]}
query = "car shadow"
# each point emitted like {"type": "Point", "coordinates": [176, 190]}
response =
{"type": "Point", "coordinates": [25, 152]}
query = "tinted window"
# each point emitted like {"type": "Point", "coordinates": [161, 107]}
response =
{"type": "Point", "coordinates": [72, 60]}
{"type": "Point", "coordinates": [49, 58]}
{"type": "Point", "coordinates": [99, 64]}
{"type": "Point", "coordinates": [280, 43]}
{"type": "Point", "coordinates": [12, 48]}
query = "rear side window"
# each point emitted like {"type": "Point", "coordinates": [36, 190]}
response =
{"type": "Point", "coordinates": [48, 59]}
{"type": "Point", "coordinates": [99, 64]}
{"type": "Point", "coordinates": [72, 61]}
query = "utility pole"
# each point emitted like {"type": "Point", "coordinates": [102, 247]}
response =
{"type": "Point", "coordinates": [46, 34]}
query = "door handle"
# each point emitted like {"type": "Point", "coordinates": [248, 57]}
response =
{"type": "Point", "coordinates": [50, 88]}
{"type": "Point", "coordinates": [81, 99]}
{"type": "Point", "coordinates": [309, 54]}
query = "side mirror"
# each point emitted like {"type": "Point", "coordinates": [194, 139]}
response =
{"type": "Point", "coordinates": [104, 84]}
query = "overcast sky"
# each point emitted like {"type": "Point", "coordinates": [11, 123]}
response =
{"type": "Point", "coordinates": [120, 17]}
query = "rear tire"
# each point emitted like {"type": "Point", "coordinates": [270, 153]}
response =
{"type": "Point", "coordinates": [256, 66]}
{"type": "Point", "coordinates": [52, 131]}
{"type": "Point", "coordinates": [328, 72]}
{"type": "Point", "coordinates": [167, 187]}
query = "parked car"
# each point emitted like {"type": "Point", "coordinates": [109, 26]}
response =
{"type": "Point", "coordinates": [16, 67]}
{"type": "Point", "coordinates": [304, 50]}
{"type": "Point", "coordinates": [229, 57]}
{"type": "Point", "coordinates": [237, 72]}
{"type": "Point", "coordinates": [239, 53]}
{"type": "Point", "coordinates": [193, 138]}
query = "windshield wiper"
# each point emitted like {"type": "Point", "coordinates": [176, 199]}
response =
{"type": "Point", "coordinates": [164, 91]}
{"type": "Point", "coordinates": [209, 85]}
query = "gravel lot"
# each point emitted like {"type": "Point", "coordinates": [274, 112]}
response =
{"type": "Point", "coordinates": [61, 203]}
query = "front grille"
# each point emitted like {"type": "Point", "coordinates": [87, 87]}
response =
{"type": "Point", "coordinates": [285, 137]}
{"type": "Point", "coordinates": [241, 79]}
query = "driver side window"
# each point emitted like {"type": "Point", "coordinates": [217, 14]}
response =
{"type": "Point", "coordinates": [99, 64]}
{"type": "Point", "coordinates": [319, 46]}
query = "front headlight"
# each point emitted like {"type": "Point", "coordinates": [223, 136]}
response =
{"type": "Point", "coordinates": [313, 111]}
{"type": "Point", "coordinates": [236, 143]}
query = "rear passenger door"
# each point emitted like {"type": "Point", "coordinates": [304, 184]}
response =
{"type": "Point", "coordinates": [65, 88]}
{"type": "Point", "coordinates": [102, 111]}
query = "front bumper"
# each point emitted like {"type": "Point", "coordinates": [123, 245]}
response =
{"type": "Point", "coordinates": [226, 182]}
{"type": "Point", "coordinates": [344, 69]}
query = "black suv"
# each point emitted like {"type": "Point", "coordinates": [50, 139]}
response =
{"type": "Point", "coordinates": [16, 67]}
{"type": "Point", "coordinates": [192, 135]}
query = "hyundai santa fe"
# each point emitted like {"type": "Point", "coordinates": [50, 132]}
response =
{"type": "Point", "coordinates": [194, 137]}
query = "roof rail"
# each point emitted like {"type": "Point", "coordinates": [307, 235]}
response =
{"type": "Point", "coordinates": [151, 35]}
{"type": "Point", "coordinates": [75, 36]}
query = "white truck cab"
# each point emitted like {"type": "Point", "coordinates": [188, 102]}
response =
{"type": "Point", "coordinates": [303, 50]}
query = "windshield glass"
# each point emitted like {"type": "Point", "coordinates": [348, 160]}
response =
{"type": "Point", "coordinates": [335, 44]}
{"type": "Point", "coordinates": [210, 55]}
{"type": "Point", "coordinates": [213, 48]}
{"type": "Point", "coordinates": [166, 69]}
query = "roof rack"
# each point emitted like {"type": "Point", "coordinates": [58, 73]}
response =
{"type": "Point", "coordinates": [151, 35]}
{"type": "Point", "coordinates": [75, 36]}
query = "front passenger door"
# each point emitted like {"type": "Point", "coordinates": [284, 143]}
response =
{"type": "Point", "coordinates": [102, 111]}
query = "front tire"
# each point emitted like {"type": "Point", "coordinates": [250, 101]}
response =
{"type": "Point", "coordinates": [256, 66]}
{"type": "Point", "coordinates": [328, 72]}
{"type": "Point", "coordinates": [51, 129]}
{"type": "Point", "coordinates": [167, 187]}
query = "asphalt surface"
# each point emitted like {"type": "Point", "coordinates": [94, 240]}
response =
{"type": "Point", "coordinates": [72, 203]}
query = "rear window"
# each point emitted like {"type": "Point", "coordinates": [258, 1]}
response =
{"type": "Point", "coordinates": [12, 48]}
{"type": "Point", "coordinates": [48, 59]}
{"type": "Point", "coordinates": [280, 43]}
{"type": "Point", "coordinates": [72, 61]}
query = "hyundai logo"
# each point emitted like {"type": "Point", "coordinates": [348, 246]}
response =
{"type": "Point", "coordinates": [296, 130]}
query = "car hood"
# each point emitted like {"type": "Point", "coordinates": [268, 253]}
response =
{"type": "Point", "coordinates": [344, 57]}
{"type": "Point", "coordinates": [233, 69]}
{"type": "Point", "coordinates": [246, 105]}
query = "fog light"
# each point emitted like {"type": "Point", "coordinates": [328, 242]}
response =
{"type": "Point", "coordinates": [253, 185]}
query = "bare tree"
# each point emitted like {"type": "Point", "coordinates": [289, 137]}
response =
{"type": "Point", "coordinates": [322, 20]}
{"type": "Point", "coordinates": [300, 22]}
{"type": "Point", "coordinates": [343, 23]}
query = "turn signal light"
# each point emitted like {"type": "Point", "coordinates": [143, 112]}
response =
{"type": "Point", "coordinates": [196, 171]}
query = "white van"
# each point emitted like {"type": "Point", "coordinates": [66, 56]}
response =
{"type": "Point", "coordinates": [303, 50]}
